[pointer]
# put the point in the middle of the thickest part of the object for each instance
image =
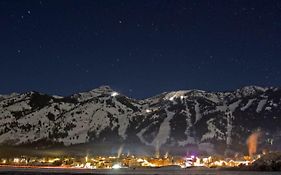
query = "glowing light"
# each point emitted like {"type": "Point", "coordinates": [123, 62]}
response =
{"type": "Point", "coordinates": [252, 143]}
{"type": "Point", "coordinates": [140, 160]}
{"type": "Point", "coordinates": [172, 98]}
{"type": "Point", "coordinates": [16, 160]}
{"type": "Point", "coordinates": [148, 110]}
{"type": "Point", "coordinates": [116, 166]}
{"type": "Point", "coordinates": [113, 94]}
{"type": "Point", "coordinates": [53, 160]}
{"type": "Point", "coordinates": [89, 166]}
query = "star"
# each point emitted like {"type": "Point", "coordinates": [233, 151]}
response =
{"type": "Point", "coordinates": [239, 39]}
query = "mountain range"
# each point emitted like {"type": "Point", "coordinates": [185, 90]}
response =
{"type": "Point", "coordinates": [186, 120]}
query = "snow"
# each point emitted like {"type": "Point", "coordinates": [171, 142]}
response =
{"type": "Point", "coordinates": [164, 130]}
{"type": "Point", "coordinates": [176, 94]}
{"type": "Point", "coordinates": [261, 105]}
{"type": "Point", "coordinates": [84, 96]}
{"type": "Point", "coordinates": [268, 108]}
{"type": "Point", "coordinates": [96, 117]}
{"type": "Point", "coordinates": [189, 139]}
{"type": "Point", "coordinates": [33, 119]}
{"type": "Point", "coordinates": [7, 137]}
{"type": "Point", "coordinates": [229, 128]}
{"type": "Point", "coordinates": [98, 110]}
{"type": "Point", "coordinates": [214, 98]}
{"type": "Point", "coordinates": [140, 135]}
{"type": "Point", "coordinates": [57, 96]}
{"type": "Point", "coordinates": [213, 131]}
{"type": "Point", "coordinates": [9, 96]}
{"type": "Point", "coordinates": [234, 105]}
{"type": "Point", "coordinates": [222, 108]}
{"type": "Point", "coordinates": [113, 94]}
{"type": "Point", "coordinates": [250, 90]}
{"type": "Point", "coordinates": [123, 124]}
{"type": "Point", "coordinates": [23, 105]}
{"type": "Point", "coordinates": [197, 110]}
{"type": "Point", "coordinates": [250, 102]}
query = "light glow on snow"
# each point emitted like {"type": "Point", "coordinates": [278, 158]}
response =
{"type": "Point", "coordinates": [113, 94]}
{"type": "Point", "coordinates": [148, 110]}
{"type": "Point", "coordinates": [116, 166]}
{"type": "Point", "coordinates": [172, 98]}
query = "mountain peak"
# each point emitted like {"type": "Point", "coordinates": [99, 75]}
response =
{"type": "Point", "coordinates": [94, 93]}
{"type": "Point", "coordinates": [104, 88]}
{"type": "Point", "coordinates": [254, 87]}
{"type": "Point", "coordinates": [249, 90]}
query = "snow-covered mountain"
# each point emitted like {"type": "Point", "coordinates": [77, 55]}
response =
{"type": "Point", "coordinates": [190, 119]}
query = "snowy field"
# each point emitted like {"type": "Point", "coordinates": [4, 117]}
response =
{"type": "Point", "coordinates": [60, 171]}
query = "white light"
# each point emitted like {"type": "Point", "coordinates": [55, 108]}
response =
{"type": "Point", "coordinates": [88, 166]}
{"type": "Point", "coordinates": [172, 98]}
{"type": "Point", "coordinates": [16, 160]}
{"type": "Point", "coordinates": [113, 94]}
{"type": "Point", "coordinates": [116, 166]}
{"type": "Point", "coordinates": [140, 160]}
{"type": "Point", "coordinates": [148, 110]}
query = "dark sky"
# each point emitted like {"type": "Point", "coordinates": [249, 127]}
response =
{"type": "Point", "coordinates": [138, 47]}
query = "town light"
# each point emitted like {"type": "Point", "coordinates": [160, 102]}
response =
{"type": "Point", "coordinates": [116, 166]}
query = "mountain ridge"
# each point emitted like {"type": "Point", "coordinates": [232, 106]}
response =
{"type": "Point", "coordinates": [108, 87]}
{"type": "Point", "coordinates": [200, 120]}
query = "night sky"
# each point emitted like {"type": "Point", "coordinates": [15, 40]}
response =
{"type": "Point", "coordinates": [138, 47]}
